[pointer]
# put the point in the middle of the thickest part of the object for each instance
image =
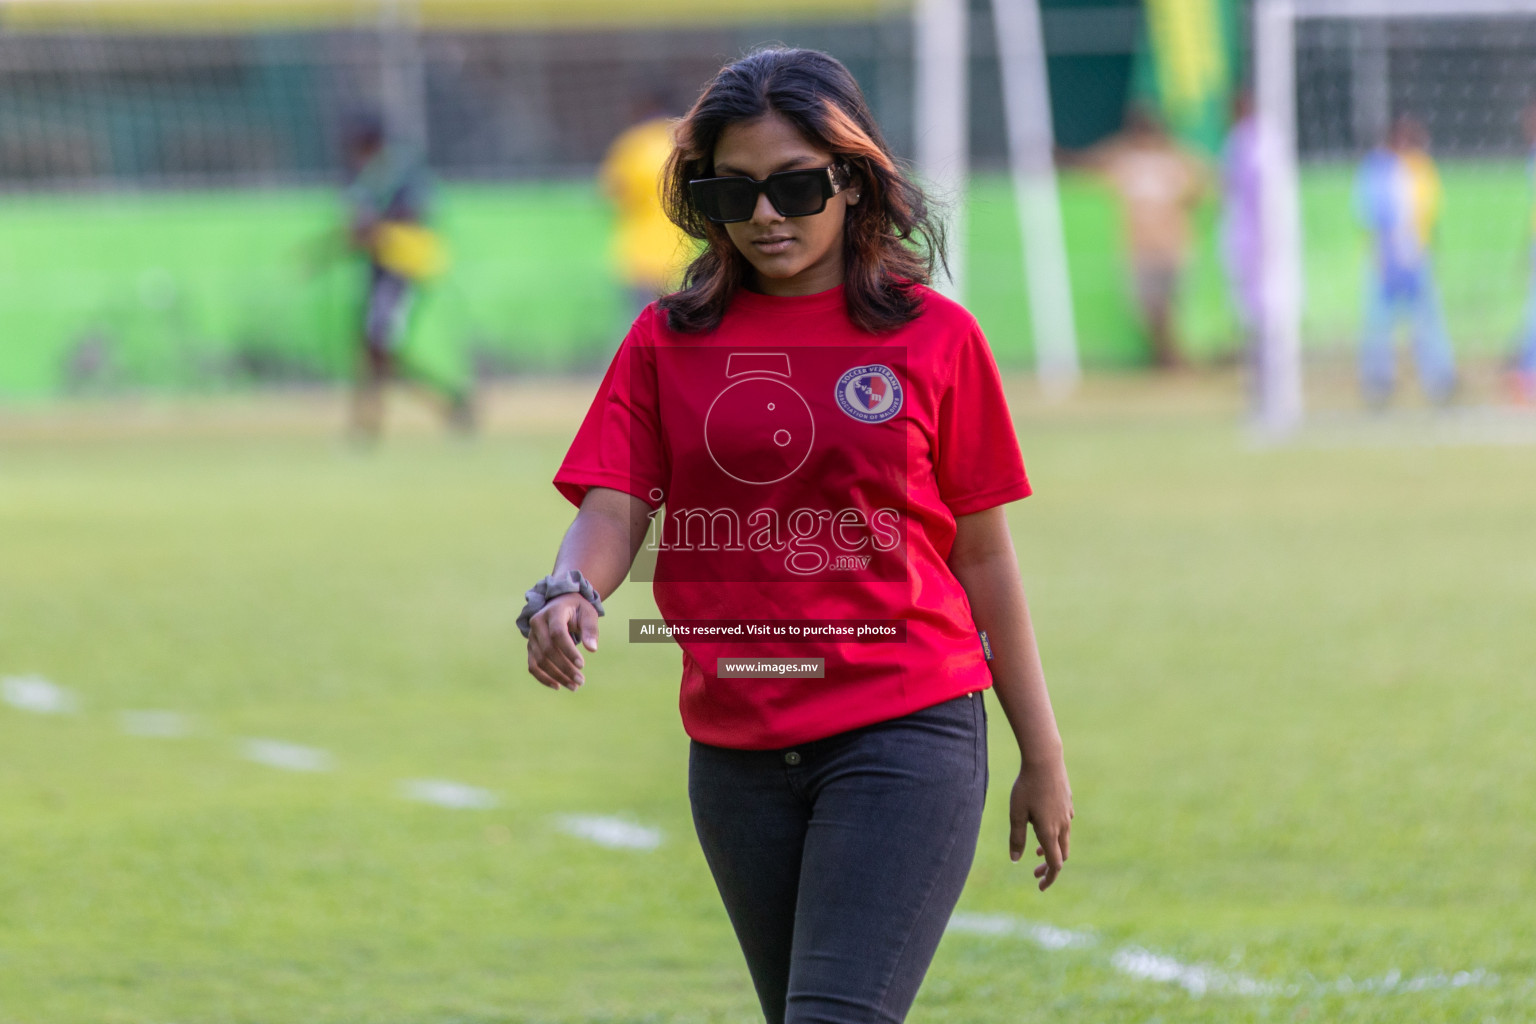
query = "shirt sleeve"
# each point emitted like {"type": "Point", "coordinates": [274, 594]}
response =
{"type": "Point", "coordinates": [619, 443]}
{"type": "Point", "coordinates": [977, 460]}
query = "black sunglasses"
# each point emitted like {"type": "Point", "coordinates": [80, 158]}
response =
{"type": "Point", "coordinates": [798, 193]}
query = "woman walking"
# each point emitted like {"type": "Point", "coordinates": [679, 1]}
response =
{"type": "Point", "coordinates": [831, 442]}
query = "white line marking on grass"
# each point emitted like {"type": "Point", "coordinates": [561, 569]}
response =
{"type": "Point", "coordinates": [288, 756]}
{"type": "Point", "coordinates": [1461, 979]}
{"type": "Point", "coordinates": [611, 832]}
{"type": "Point", "coordinates": [165, 725]}
{"type": "Point", "coordinates": [1425, 428]}
{"type": "Point", "coordinates": [36, 694]}
{"type": "Point", "coordinates": [1199, 979]}
{"type": "Point", "coordinates": [1196, 979]}
{"type": "Point", "coordinates": [455, 795]}
{"type": "Point", "coordinates": [1393, 982]}
{"type": "Point", "coordinates": [1043, 935]}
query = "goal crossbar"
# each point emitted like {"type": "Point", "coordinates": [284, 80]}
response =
{"type": "Point", "coordinates": [1345, 9]}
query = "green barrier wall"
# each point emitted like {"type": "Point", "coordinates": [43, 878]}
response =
{"type": "Point", "coordinates": [211, 289]}
{"type": "Point", "coordinates": [203, 291]}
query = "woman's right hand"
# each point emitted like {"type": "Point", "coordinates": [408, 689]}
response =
{"type": "Point", "coordinates": [1042, 797]}
{"type": "Point", "coordinates": [553, 657]}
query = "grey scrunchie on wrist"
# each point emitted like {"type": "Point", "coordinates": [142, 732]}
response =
{"type": "Point", "coordinates": [553, 586]}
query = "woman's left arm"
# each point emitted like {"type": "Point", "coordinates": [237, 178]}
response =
{"type": "Point", "coordinates": [984, 562]}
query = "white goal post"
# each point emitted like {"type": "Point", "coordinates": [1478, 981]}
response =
{"type": "Point", "coordinates": [1281, 404]}
{"type": "Point", "coordinates": [941, 30]}
{"type": "Point", "coordinates": [1031, 147]}
{"type": "Point", "coordinates": [941, 109]}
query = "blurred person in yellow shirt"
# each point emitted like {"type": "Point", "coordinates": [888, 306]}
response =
{"type": "Point", "coordinates": [649, 251]}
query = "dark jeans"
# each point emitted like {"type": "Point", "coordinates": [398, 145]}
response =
{"type": "Point", "coordinates": [840, 860]}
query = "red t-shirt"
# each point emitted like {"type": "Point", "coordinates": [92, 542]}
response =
{"type": "Point", "coordinates": [811, 473]}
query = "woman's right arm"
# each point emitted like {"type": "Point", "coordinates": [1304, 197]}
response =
{"type": "Point", "coordinates": [602, 543]}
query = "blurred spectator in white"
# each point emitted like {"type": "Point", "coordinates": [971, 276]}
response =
{"type": "Point", "coordinates": [1241, 238]}
{"type": "Point", "coordinates": [1522, 370]}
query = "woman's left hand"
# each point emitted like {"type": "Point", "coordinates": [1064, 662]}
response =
{"type": "Point", "coordinates": [1042, 797]}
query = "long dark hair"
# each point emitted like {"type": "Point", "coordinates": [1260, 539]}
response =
{"type": "Point", "coordinates": [891, 242]}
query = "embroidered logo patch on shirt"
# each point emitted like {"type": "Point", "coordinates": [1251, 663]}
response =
{"type": "Point", "coordinates": [870, 394]}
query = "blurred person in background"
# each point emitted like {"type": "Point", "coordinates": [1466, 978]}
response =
{"type": "Point", "coordinates": [1159, 184]}
{"type": "Point", "coordinates": [388, 198]}
{"type": "Point", "coordinates": [1397, 198]}
{"type": "Point", "coordinates": [1241, 240]}
{"type": "Point", "coordinates": [648, 249]}
{"type": "Point", "coordinates": [1522, 367]}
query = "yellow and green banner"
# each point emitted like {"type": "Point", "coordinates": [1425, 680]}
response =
{"type": "Point", "coordinates": [1189, 68]}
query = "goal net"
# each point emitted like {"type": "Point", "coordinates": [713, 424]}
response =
{"type": "Point", "coordinates": [1397, 207]}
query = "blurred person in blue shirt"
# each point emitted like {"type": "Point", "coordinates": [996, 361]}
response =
{"type": "Point", "coordinates": [1397, 197]}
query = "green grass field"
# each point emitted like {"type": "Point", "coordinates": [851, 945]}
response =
{"type": "Point", "coordinates": [1295, 686]}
